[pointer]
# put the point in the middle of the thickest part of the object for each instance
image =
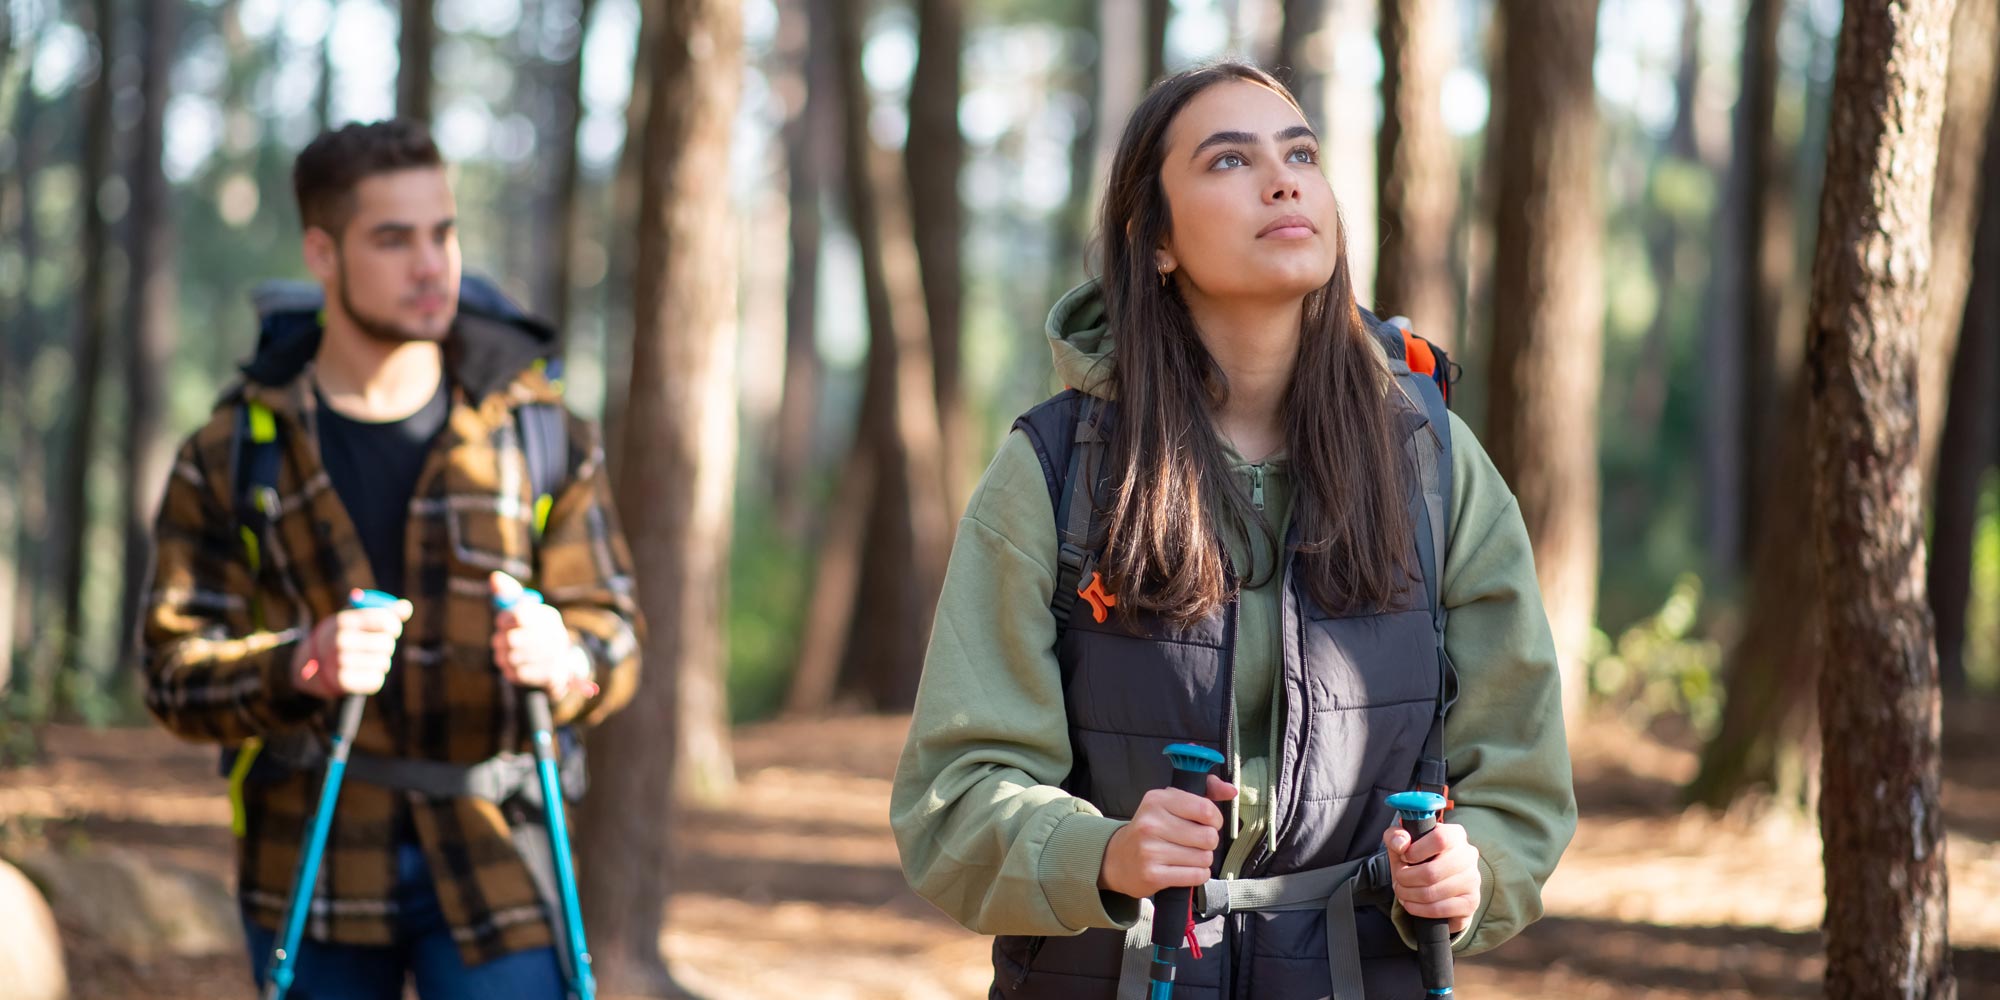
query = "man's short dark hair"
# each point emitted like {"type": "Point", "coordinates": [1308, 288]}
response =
{"type": "Point", "coordinates": [328, 169]}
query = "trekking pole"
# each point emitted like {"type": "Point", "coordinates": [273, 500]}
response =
{"type": "Point", "coordinates": [1419, 812]}
{"type": "Point", "coordinates": [285, 956]}
{"type": "Point", "coordinates": [1173, 909]}
{"type": "Point", "coordinates": [583, 985]}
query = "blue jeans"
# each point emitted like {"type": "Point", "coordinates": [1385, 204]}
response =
{"type": "Point", "coordinates": [424, 949]}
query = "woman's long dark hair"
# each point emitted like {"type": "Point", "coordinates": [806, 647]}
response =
{"type": "Point", "coordinates": [1172, 493]}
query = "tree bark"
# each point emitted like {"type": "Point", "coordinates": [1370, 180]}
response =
{"type": "Point", "coordinates": [93, 311]}
{"type": "Point", "coordinates": [323, 91]}
{"type": "Point", "coordinates": [812, 128]}
{"type": "Point", "coordinates": [620, 303]}
{"type": "Point", "coordinates": [562, 225]}
{"type": "Point", "coordinates": [1305, 70]}
{"type": "Point", "coordinates": [1416, 171]}
{"type": "Point", "coordinates": [1955, 202]}
{"type": "Point", "coordinates": [416, 42]}
{"type": "Point", "coordinates": [1158, 13]}
{"type": "Point", "coordinates": [1880, 817]}
{"type": "Point", "coordinates": [909, 531]}
{"type": "Point", "coordinates": [150, 312]}
{"type": "Point", "coordinates": [934, 157]}
{"type": "Point", "coordinates": [1971, 432]}
{"type": "Point", "coordinates": [1745, 303]}
{"type": "Point", "coordinates": [1548, 310]}
{"type": "Point", "coordinates": [674, 492]}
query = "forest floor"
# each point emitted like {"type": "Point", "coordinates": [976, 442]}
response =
{"type": "Point", "coordinates": [794, 889]}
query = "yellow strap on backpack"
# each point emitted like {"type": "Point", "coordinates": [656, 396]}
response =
{"type": "Point", "coordinates": [245, 756]}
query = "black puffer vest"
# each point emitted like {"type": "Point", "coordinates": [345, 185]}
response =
{"type": "Point", "coordinates": [1361, 693]}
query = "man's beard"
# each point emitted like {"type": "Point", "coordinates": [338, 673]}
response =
{"type": "Point", "coordinates": [383, 331]}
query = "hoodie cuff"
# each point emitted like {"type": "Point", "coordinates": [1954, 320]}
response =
{"type": "Point", "coordinates": [1070, 864]}
{"type": "Point", "coordinates": [1406, 927]}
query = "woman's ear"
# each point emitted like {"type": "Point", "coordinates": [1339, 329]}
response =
{"type": "Point", "coordinates": [1164, 262]}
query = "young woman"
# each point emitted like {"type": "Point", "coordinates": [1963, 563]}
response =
{"type": "Point", "coordinates": [1253, 561]}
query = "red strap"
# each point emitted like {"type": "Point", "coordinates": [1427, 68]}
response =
{"type": "Point", "coordinates": [1194, 947]}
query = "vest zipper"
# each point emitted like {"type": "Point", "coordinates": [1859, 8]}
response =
{"type": "Point", "coordinates": [1257, 486]}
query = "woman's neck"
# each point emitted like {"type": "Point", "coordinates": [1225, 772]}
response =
{"type": "Point", "coordinates": [1257, 346]}
{"type": "Point", "coordinates": [369, 379]}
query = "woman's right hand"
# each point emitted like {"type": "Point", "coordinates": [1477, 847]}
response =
{"type": "Point", "coordinates": [1170, 841]}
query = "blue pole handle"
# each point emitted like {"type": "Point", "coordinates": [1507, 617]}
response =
{"type": "Point", "coordinates": [1192, 764]}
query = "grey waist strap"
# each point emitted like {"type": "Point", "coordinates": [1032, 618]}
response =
{"type": "Point", "coordinates": [495, 779]}
{"type": "Point", "coordinates": [1336, 890]}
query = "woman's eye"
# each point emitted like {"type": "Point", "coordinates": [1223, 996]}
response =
{"type": "Point", "coordinates": [1305, 154]}
{"type": "Point", "coordinates": [1229, 161]}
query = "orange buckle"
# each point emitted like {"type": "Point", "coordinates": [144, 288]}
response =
{"type": "Point", "coordinates": [1101, 600]}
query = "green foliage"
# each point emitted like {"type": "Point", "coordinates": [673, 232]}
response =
{"type": "Point", "coordinates": [1658, 667]}
{"type": "Point", "coordinates": [769, 586]}
{"type": "Point", "coordinates": [1982, 624]}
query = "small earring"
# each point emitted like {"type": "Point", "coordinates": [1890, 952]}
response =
{"type": "Point", "coordinates": [1163, 277]}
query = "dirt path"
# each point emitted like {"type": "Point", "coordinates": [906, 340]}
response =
{"type": "Point", "coordinates": [796, 891]}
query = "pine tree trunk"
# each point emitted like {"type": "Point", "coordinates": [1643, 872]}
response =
{"type": "Point", "coordinates": [1880, 817]}
{"type": "Point", "coordinates": [909, 530]}
{"type": "Point", "coordinates": [1416, 173]}
{"type": "Point", "coordinates": [24, 339]}
{"type": "Point", "coordinates": [1301, 67]}
{"type": "Point", "coordinates": [323, 90]}
{"type": "Point", "coordinates": [560, 247]}
{"type": "Point", "coordinates": [674, 490]}
{"type": "Point", "coordinates": [620, 302]}
{"type": "Point", "coordinates": [1744, 304]}
{"type": "Point", "coordinates": [1158, 13]}
{"type": "Point", "coordinates": [151, 309]}
{"type": "Point", "coordinates": [1955, 201]}
{"type": "Point", "coordinates": [416, 43]}
{"type": "Point", "coordinates": [934, 157]}
{"type": "Point", "coordinates": [1971, 432]}
{"type": "Point", "coordinates": [1548, 313]}
{"type": "Point", "coordinates": [93, 310]}
{"type": "Point", "coordinates": [812, 129]}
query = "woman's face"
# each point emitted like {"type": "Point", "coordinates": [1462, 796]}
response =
{"type": "Point", "coordinates": [1252, 216]}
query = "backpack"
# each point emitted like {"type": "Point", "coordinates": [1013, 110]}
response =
{"type": "Point", "coordinates": [1072, 465]}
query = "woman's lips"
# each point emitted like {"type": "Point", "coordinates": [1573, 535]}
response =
{"type": "Point", "coordinates": [1291, 227]}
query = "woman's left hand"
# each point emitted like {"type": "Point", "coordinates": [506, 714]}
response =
{"type": "Point", "coordinates": [1437, 877]}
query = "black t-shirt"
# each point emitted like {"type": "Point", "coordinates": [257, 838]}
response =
{"type": "Point", "coordinates": [374, 469]}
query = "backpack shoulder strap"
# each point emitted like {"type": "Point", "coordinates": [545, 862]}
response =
{"type": "Point", "coordinates": [544, 434]}
{"type": "Point", "coordinates": [254, 457]}
{"type": "Point", "coordinates": [1424, 375]}
{"type": "Point", "coordinates": [1069, 434]}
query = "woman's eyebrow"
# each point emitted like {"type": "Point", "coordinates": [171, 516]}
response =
{"type": "Point", "coordinates": [1245, 138]}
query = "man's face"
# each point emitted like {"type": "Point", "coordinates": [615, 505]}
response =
{"type": "Point", "coordinates": [394, 269]}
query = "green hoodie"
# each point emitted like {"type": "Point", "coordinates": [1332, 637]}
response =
{"type": "Point", "coordinates": [984, 830]}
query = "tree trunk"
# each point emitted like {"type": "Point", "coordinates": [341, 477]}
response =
{"type": "Point", "coordinates": [934, 157]}
{"type": "Point", "coordinates": [909, 529]}
{"type": "Point", "coordinates": [620, 304]}
{"type": "Point", "coordinates": [323, 91]}
{"type": "Point", "coordinates": [812, 128]}
{"type": "Point", "coordinates": [1416, 172]}
{"type": "Point", "coordinates": [93, 310]}
{"type": "Point", "coordinates": [1955, 201]}
{"type": "Point", "coordinates": [1301, 63]}
{"type": "Point", "coordinates": [1548, 338]}
{"type": "Point", "coordinates": [1744, 302]}
{"type": "Point", "coordinates": [1646, 399]}
{"type": "Point", "coordinates": [150, 314]}
{"type": "Point", "coordinates": [1966, 448]}
{"type": "Point", "coordinates": [674, 492]}
{"type": "Point", "coordinates": [1879, 812]}
{"type": "Point", "coordinates": [1158, 13]}
{"type": "Point", "coordinates": [416, 42]}
{"type": "Point", "coordinates": [562, 192]}
{"type": "Point", "coordinates": [24, 339]}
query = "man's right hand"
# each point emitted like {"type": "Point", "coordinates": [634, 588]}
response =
{"type": "Point", "coordinates": [1170, 841]}
{"type": "Point", "coordinates": [349, 653]}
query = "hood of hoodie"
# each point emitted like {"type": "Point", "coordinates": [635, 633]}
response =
{"type": "Point", "coordinates": [483, 352]}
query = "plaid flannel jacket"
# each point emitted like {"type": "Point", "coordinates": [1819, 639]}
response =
{"type": "Point", "coordinates": [217, 644]}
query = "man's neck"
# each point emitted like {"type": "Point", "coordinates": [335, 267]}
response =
{"type": "Point", "coordinates": [369, 379]}
{"type": "Point", "coordinates": [1257, 346]}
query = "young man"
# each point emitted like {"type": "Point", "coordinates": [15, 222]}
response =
{"type": "Point", "coordinates": [384, 449]}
